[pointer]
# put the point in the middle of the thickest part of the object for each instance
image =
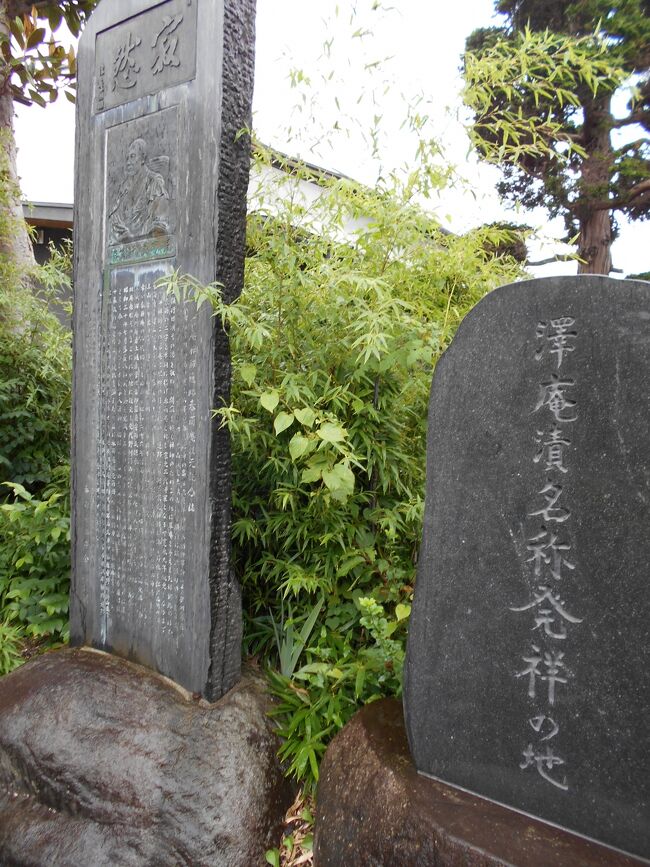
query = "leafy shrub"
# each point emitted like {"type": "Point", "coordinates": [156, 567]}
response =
{"type": "Point", "coordinates": [35, 364]}
{"type": "Point", "coordinates": [333, 344]}
{"type": "Point", "coordinates": [35, 560]}
{"type": "Point", "coordinates": [10, 643]}
{"type": "Point", "coordinates": [35, 368]}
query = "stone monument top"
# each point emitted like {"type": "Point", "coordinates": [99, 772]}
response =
{"type": "Point", "coordinates": [527, 674]}
{"type": "Point", "coordinates": [164, 90]}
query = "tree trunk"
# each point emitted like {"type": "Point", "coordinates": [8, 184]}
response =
{"type": "Point", "coordinates": [594, 245]}
{"type": "Point", "coordinates": [14, 239]}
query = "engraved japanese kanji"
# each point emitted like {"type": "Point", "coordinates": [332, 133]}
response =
{"type": "Point", "coordinates": [546, 671]}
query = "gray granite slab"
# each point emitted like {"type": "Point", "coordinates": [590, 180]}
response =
{"type": "Point", "coordinates": [161, 179]}
{"type": "Point", "coordinates": [527, 675]}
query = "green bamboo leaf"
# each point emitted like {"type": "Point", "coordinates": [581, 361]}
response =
{"type": "Point", "coordinates": [359, 681]}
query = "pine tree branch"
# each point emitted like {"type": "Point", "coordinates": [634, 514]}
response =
{"type": "Point", "coordinates": [550, 260]}
{"type": "Point", "coordinates": [640, 191]}
{"type": "Point", "coordinates": [640, 116]}
{"type": "Point", "coordinates": [565, 257]}
{"type": "Point", "coordinates": [633, 145]}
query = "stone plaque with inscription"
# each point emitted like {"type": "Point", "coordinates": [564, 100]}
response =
{"type": "Point", "coordinates": [527, 678]}
{"type": "Point", "coordinates": [161, 179]}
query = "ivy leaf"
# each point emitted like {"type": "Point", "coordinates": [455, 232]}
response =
{"type": "Point", "coordinates": [270, 400]}
{"type": "Point", "coordinates": [402, 611]}
{"type": "Point", "coordinates": [332, 433]}
{"type": "Point", "coordinates": [283, 420]}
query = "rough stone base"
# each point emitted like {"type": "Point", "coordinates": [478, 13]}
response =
{"type": "Point", "coordinates": [105, 763]}
{"type": "Point", "coordinates": [375, 810]}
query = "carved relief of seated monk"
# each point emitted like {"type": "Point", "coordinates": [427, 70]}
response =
{"type": "Point", "coordinates": [142, 206]}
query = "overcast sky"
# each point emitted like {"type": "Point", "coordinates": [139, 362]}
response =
{"type": "Point", "coordinates": [326, 72]}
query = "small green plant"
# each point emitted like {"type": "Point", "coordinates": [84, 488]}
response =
{"type": "Point", "coordinates": [35, 372]}
{"type": "Point", "coordinates": [35, 560]}
{"type": "Point", "coordinates": [297, 843]}
{"type": "Point", "coordinates": [10, 643]}
{"type": "Point", "coordinates": [35, 366]}
{"type": "Point", "coordinates": [290, 643]}
{"type": "Point", "coordinates": [354, 660]}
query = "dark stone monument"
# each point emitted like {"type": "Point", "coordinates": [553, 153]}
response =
{"type": "Point", "coordinates": [527, 676]}
{"type": "Point", "coordinates": [164, 89]}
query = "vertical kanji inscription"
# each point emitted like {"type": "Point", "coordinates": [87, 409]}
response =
{"type": "Point", "coordinates": [161, 180]}
{"type": "Point", "coordinates": [526, 679]}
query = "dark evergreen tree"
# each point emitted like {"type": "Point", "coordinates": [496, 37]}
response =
{"type": "Point", "coordinates": [583, 174]}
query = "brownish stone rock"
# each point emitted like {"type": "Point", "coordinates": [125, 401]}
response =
{"type": "Point", "coordinates": [103, 762]}
{"type": "Point", "coordinates": [375, 810]}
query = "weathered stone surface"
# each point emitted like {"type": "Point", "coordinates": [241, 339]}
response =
{"type": "Point", "coordinates": [161, 180]}
{"type": "Point", "coordinates": [105, 763]}
{"type": "Point", "coordinates": [375, 810]}
{"type": "Point", "coordinates": [527, 668]}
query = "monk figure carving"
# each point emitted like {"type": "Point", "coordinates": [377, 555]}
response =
{"type": "Point", "coordinates": [142, 206]}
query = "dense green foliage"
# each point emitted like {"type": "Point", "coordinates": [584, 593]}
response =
{"type": "Point", "coordinates": [35, 363]}
{"type": "Point", "coordinates": [541, 87]}
{"type": "Point", "coordinates": [333, 341]}
{"type": "Point", "coordinates": [34, 450]}
{"type": "Point", "coordinates": [35, 560]}
{"type": "Point", "coordinates": [35, 355]}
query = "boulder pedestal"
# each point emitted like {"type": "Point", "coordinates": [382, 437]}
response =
{"type": "Point", "coordinates": [375, 810]}
{"type": "Point", "coordinates": [103, 762]}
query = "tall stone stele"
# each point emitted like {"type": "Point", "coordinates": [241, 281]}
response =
{"type": "Point", "coordinates": [161, 176]}
{"type": "Point", "coordinates": [527, 674]}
